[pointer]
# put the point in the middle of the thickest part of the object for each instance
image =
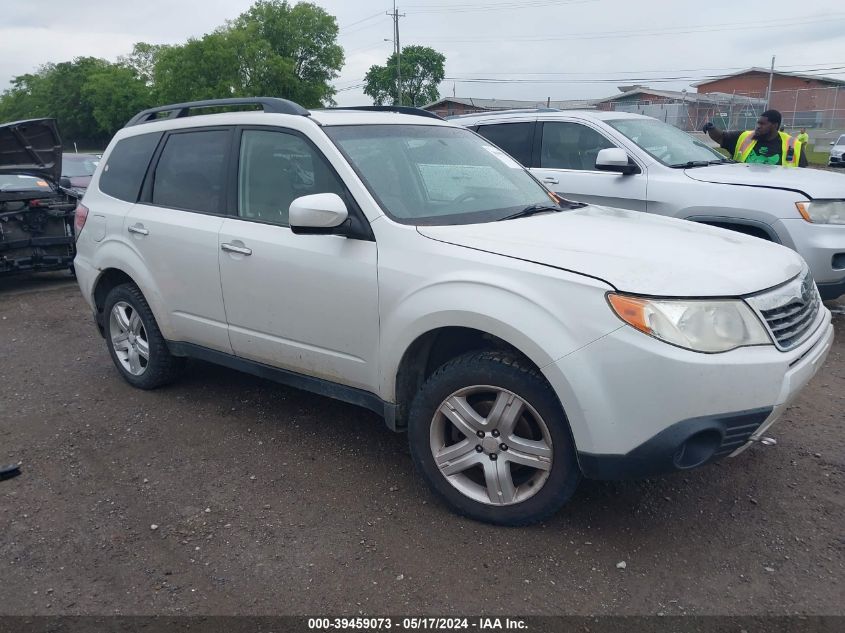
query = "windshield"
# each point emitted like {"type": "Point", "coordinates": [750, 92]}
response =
{"type": "Point", "coordinates": [841, 140]}
{"type": "Point", "coordinates": [666, 143]}
{"type": "Point", "coordinates": [425, 174]}
{"type": "Point", "coordinates": [23, 183]}
{"type": "Point", "coordinates": [77, 166]}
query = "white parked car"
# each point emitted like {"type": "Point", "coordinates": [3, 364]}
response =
{"type": "Point", "coordinates": [837, 153]}
{"type": "Point", "coordinates": [637, 162]}
{"type": "Point", "coordinates": [404, 264]}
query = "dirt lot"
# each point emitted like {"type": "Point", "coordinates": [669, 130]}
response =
{"type": "Point", "coordinates": [268, 500]}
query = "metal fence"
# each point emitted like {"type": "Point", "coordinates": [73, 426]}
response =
{"type": "Point", "coordinates": [820, 110]}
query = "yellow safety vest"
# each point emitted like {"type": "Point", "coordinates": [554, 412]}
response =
{"type": "Point", "coordinates": [789, 154]}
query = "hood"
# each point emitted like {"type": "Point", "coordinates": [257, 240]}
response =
{"type": "Point", "coordinates": [813, 183]}
{"type": "Point", "coordinates": [634, 252]}
{"type": "Point", "coordinates": [31, 147]}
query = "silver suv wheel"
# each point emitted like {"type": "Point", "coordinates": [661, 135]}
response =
{"type": "Point", "coordinates": [491, 445]}
{"type": "Point", "coordinates": [489, 435]}
{"type": "Point", "coordinates": [129, 338]}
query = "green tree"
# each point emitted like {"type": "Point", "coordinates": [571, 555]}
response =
{"type": "Point", "coordinates": [116, 93]}
{"type": "Point", "coordinates": [142, 60]}
{"type": "Point", "coordinates": [57, 90]}
{"type": "Point", "coordinates": [304, 35]}
{"type": "Point", "coordinates": [271, 49]}
{"type": "Point", "coordinates": [422, 70]}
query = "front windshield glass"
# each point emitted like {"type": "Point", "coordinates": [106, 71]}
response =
{"type": "Point", "coordinates": [425, 174]}
{"type": "Point", "coordinates": [12, 182]}
{"type": "Point", "coordinates": [841, 140]}
{"type": "Point", "coordinates": [666, 143]}
{"type": "Point", "coordinates": [78, 166]}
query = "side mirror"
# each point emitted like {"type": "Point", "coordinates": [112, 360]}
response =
{"type": "Point", "coordinates": [64, 181]}
{"type": "Point", "coordinates": [614, 159]}
{"type": "Point", "coordinates": [320, 213]}
{"type": "Point", "coordinates": [833, 142]}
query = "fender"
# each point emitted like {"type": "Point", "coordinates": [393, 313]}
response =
{"type": "Point", "coordinates": [538, 319]}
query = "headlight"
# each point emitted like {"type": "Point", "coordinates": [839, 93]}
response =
{"type": "Point", "coordinates": [822, 211]}
{"type": "Point", "coordinates": [698, 325]}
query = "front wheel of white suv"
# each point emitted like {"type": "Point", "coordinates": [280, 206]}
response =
{"type": "Point", "coordinates": [135, 343]}
{"type": "Point", "coordinates": [489, 435]}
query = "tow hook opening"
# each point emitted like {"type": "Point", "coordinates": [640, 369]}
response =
{"type": "Point", "coordinates": [697, 449]}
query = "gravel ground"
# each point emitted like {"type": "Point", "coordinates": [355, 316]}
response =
{"type": "Point", "coordinates": [226, 494]}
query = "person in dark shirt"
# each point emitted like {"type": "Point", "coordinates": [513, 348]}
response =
{"type": "Point", "coordinates": [765, 145]}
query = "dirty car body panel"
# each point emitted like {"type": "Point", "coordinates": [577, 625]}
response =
{"type": "Point", "coordinates": [36, 214]}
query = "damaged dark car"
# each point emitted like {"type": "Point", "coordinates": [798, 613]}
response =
{"type": "Point", "coordinates": [36, 212]}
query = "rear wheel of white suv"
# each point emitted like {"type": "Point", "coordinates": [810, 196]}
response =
{"type": "Point", "coordinates": [135, 343]}
{"type": "Point", "coordinates": [489, 435]}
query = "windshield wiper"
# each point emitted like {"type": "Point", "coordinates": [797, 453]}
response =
{"type": "Point", "coordinates": [691, 163]}
{"type": "Point", "coordinates": [533, 209]}
{"type": "Point", "coordinates": [701, 163]}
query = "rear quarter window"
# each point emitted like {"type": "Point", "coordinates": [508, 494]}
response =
{"type": "Point", "coordinates": [124, 172]}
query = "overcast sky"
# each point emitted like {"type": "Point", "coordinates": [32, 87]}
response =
{"type": "Point", "coordinates": [565, 49]}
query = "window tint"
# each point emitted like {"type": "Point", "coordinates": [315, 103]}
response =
{"type": "Point", "coordinates": [515, 138]}
{"type": "Point", "coordinates": [191, 171]}
{"type": "Point", "coordinates": [276, 168]}
{"type": "Point", "coordinates": [122, 176]}
{"type": "Point", "coordinates": [571, 146]}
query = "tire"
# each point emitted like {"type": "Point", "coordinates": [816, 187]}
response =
{"type": "Point", "coordinates": [515, 475]}
{"type": "Point", "coordinates": [135, 343]}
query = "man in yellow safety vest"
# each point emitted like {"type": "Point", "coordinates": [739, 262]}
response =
{"type": "Point", "coordinates": [803, 138]}
{"type": "Point", "coordinates": [765, 144]}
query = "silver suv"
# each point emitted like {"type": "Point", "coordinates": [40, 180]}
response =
{"type": "Point", "coordinates": [405, 264]}
{"type": "Point", "coordinates": [637, 162]}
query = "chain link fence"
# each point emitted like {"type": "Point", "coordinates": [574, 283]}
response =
{"type": "Point", "coordinates": [820, 110]}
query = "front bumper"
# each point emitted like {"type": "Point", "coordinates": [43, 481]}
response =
{"type": "Point", "coordinates": [823, 248]}
{"type": "Point", "coordinates": [625, 394]}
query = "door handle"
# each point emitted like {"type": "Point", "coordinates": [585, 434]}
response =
{"type": "Point", "coordinates": [234, 248]}
{"type": "Point", "coordinates": [550, 180]}
{"type": "Point", "coordinates": [139, 229]}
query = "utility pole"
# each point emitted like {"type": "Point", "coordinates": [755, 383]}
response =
{"type": "Point", "coordinates": [769, 91]}
{"type": "Point", "coordinates": [398, 50]}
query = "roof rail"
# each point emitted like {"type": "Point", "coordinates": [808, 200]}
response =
{"type": "Point", "coordinates": [508, 111]}
{"type": "Point", "coordinates": [392, 108]}
{"type": "Point", "coordinates": [178, 110]}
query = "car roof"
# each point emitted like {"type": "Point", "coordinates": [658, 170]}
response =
{"type": "Point", "coordinates": [327, 118]}
{"type": "Point", "coordinates": [545, 115]}
{"type": "Point", "coordinates": [340, 116]}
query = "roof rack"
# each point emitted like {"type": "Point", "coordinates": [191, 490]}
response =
{"type": "Point", "coordinates": [508, 111]}
{"type": "Point", "coordinates": [177, 110]}
{"type": "Point", "coordinates": [393, 108]}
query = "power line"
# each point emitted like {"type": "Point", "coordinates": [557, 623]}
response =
{"type": "Point", "coordinates": [708, 28]}
{"type": "Point", "coordinates": [621, 80]}
{"type": "Point", "coordinates": [468, 8]}
{"type": "Point", "coordinates": [346, 26]}
{"type": "Point", "coordinates": [797, 68]}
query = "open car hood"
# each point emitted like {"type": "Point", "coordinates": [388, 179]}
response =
{"type": "Point", "coordinates": [31, 147]}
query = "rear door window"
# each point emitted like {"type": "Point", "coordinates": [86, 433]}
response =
{"type": "Point", "coordinates": [124, 172]}
{"type": "Point", "coordinates": [191, 171]}
{"type": "Point", "coordinates": [570, 146]}
{"type": "Point", "coordinates": [516, 139]}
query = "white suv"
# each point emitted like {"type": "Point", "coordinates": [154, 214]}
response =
{"type": "Point", "coordinates": [637, 162]}
{"type": "Point", "coordinates": [402, 263]}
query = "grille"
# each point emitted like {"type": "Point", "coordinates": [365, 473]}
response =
{"type": "Point", "coordinates": [790, 311]}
